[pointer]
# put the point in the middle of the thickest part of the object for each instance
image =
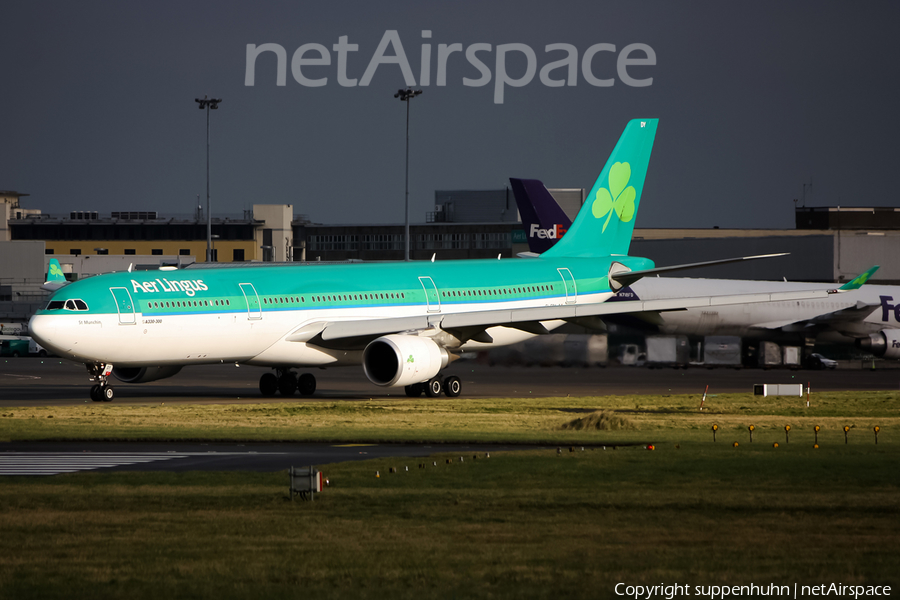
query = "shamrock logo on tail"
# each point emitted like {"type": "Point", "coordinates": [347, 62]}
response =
{"type": "Point", "coordinates": [617, 198]}
{"type": "Point", "coordinates": [56, 271]}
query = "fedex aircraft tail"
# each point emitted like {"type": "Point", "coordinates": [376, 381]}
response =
{"type": "Point", "coordinates": [605, 223]}
{"type": "Point", "coordinates": [544, 220]}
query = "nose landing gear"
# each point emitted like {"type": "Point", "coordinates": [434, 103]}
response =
{"type": "Point", "coordinates": [101, 391]}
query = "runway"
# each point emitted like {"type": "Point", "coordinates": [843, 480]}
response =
{"type": "Point", "coordinates": [52, 458]}
{"type": "Point", "coordinates": [53, 382]}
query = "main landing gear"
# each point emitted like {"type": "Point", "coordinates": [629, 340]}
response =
{"type": "Point", "coordinates": [451, 386]}
{"type": "Point", "coordinates": [287, 382]}
{"type": "Point", "coordinates": [101, 391]}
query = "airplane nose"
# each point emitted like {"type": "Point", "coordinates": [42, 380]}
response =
{"type": "Point", "coordinates": [42, 330]}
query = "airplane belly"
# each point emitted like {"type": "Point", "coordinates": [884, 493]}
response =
{"type": "Point", "coordinates": [298, 354]}
{"type": "Point", "coordinates": [196, 339]}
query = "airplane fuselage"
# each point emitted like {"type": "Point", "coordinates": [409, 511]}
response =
{"type": "Point", "coordinates": [246, 314]}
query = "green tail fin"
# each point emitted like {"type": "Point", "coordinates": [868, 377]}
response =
{"type": "Point", "coordinates": [858, 281]}
{"type": "Point", "coordinates": [605, 223]}
{"type": "Point", "coordinates": [55, 272]}
{"type": "Point", "coordinates": [55, 276]}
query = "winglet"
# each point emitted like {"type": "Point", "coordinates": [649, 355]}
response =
{"type": "Point", "coordinates": [55, 276]}
{"type": "Point", "coordinates": [858, 281]}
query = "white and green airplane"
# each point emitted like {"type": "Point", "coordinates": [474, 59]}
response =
{"type": "Point", "coordinates": [403, 322]}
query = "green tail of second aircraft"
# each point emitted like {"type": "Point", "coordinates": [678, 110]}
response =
{"type": "Point", "coordinates": [55, 276]}
{"type": "Point", "coordinates": [605, 223]}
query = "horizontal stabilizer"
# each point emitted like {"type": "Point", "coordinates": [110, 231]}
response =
{"type": "Point", "coordinates": [52, 286]}
{"type": "Point", "coordinates": [625, 278]}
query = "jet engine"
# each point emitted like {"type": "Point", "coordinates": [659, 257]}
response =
{"type": "Point", "coordinates": [144, 374]}
{"type": "Point", "coordinates": [885, 343]}
{"type": "Point", "coordinates": [400, 360]}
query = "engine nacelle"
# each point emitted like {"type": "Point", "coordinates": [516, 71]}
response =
{"type": "Point", "coordinates": [144, 374]}
{"type": "Point", "coordinates": [885, 343]}
{"type": "Point", "coordinates": [399, 360]}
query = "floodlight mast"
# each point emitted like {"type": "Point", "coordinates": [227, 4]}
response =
{"type": "Point", "coordinates": [208, 103]}
{"type": "Point", "coordinates": [405, 96]}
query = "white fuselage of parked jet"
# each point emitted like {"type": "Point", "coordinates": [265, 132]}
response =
{"type": "Point", "coordinates": [840, 317]}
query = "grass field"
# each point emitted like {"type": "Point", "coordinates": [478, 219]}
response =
{"type": "Point", "coordinates": [527, 524]}
{"type": "Point", "coordinates": [643, 418]}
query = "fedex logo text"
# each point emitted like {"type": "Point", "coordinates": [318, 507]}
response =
{"type": "Point", "coordinates": [554, 233]}
{"type": "Point", "coordinates": [887, 308]}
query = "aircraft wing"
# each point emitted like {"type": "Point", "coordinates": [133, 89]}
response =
{"type": "Point", "coordinates": [830, 320]}
{"type": "Point", "coordinates": [836, 320]}
{"type": "Point", "coordinates": [328, 332]}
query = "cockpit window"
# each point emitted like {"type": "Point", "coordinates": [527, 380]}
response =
{"type": "Point", "coordinates": [55, 305]}
{"type": "Point", "coordinates": [73, 305]}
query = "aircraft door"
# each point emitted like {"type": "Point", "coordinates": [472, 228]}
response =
{"type": "Point", "coordinates": [569, 282]}
{"type": "Point", "coordinates": [254, 312]}
{"type": "Point", "coordinates": [432, 298]}
{"type": "Point", "coordinates": [124, 305]}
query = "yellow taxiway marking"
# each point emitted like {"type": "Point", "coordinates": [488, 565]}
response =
{"type": "Point", "coordinates": [352, 445]}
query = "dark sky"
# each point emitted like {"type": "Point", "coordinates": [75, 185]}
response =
{"type": "Point", "coordinates": [754, 99]}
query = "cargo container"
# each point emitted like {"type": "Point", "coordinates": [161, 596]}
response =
{"type": "Point", "coordinates": [668, 351]}
{"type": "Point", "coordinates": [543, 350]}
{"type": "Point", "coordinates": [722, 351]}
{"type": "Point", "coordinates": [585, 350]}
{"type": "Point", "coordinates": [769, 355]}
{"type": "Point", "coordinates": [574, 350]}
{"type": "Point", "coordinates": [792, 357]}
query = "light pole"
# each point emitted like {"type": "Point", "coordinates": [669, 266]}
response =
{"type": "Point", "coordinates": [405, 96]}
{"type": "Point", "coordinates": [208, 103]}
